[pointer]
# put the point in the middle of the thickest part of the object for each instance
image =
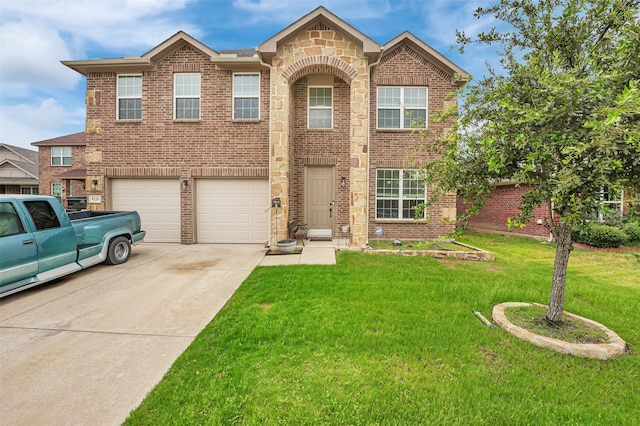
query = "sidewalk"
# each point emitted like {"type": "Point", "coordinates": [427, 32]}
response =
{"type": "Point", "coordinates": [313, 253]}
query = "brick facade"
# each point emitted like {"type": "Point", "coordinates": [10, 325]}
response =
{"type": "Point", "coordinates": [279, 145]}
{"type": "Point", "coordinates": [504, 203]}
{"type": "Point", "coordinates": [71, 177]}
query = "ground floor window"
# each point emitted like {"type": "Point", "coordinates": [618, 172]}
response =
{"type": "Point", "coordinates": [56, 190]}
{"type": "Point", "coordinates": [611, 203]}
{"type": "Point", "coordinates": [29, 190]}
{"type": "Point", "coordinates": [398, 193]}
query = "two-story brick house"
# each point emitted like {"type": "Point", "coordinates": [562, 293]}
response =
{"type": "Point", "coordinates": [319, 116]}
{"type": "Point", "coordinates": [61, 163]}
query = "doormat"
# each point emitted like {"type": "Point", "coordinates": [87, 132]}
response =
{"type": "Point", "coordinates": [319, 234]}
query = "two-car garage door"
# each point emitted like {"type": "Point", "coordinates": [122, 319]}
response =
{"type": "Point", "coordinates": [226, 210]}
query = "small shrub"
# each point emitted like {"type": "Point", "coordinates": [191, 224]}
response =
{"type": "Point", "coordinates": [601, 236]}
{"type": "Point", "coordinates": [633, 232]}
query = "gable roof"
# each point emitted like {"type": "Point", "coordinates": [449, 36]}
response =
{"type": "Point", "coordinates": [73, 139]}
{"type": "Point", "coordinates": [429, 53]}
{"type": "Point", "coordinates": [269, 47]}
{"type": "Point", "coordinates": [29, 155]}
{"type": "Point", "coordinates": [141, 63]}
{"type": "Point", "coordinates": [28, 163]}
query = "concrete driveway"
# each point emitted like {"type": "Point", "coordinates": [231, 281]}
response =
{"type": "Point", "coordinates": [87, 349]}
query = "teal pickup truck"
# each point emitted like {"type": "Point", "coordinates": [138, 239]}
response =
{"type": "Point", "coordinates": [40, 242]}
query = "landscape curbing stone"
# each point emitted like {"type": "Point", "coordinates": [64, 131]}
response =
{"type": "Point", "coordinates": [602, 351]}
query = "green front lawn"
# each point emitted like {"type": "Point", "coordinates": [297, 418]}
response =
{"type": "Point", "coordinates": [392, 340]}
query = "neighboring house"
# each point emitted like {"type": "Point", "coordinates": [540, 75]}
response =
{"type": "Point", "coordinates": [504, 204]}
{"type": "Point", "coordinates": [203, 142]}
{"type": "Point", "coordinates": [18, 170]}
{"type": "Point", "coordinates": [62, 166]}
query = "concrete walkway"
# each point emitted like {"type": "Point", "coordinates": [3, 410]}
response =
{"type": "Point", "coordinates": [313, 253]}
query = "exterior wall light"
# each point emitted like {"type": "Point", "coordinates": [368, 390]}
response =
{"type": "Point", "coordinates": [185, 183]}
{"type": "Point", "coordinates": [94, 184]}
{"type": "Point", "coordinates": [343, 181]}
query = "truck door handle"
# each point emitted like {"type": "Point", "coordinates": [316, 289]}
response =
{"type": "Point", "coordinates": [27, 242]}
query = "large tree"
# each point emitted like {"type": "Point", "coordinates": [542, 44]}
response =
{"type": "Point", "coordinates": [562, 114]}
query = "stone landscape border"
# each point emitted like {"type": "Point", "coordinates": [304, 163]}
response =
{"type": "Point", "coordinates": [475, 254]}
{"type": "Point", "coordinates": [602, 351]}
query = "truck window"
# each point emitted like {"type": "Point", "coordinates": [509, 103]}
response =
{"type": "Point", "coordinates": [10, 223]}
{"type": "Point", "coordinates": [42, 214]}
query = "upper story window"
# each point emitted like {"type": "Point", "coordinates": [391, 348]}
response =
{"type": "Point", "coordinates": [320, 107]}
{"type": "Point", "coordinates": [398, 193]}
{"type": "Point", "coordinates": [129, 97]}
{"type": "Point", "coordinates": [61, 156]}
{"type": "Point", "coordinates": [187, 96]}
{"type": "Point", "coordinates": [402, 107]}
{"type": "Point", "coordinates": [246, 96]}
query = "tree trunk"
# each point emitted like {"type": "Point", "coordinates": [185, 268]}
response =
{"type": "Point", "coordinates": [563, 249]}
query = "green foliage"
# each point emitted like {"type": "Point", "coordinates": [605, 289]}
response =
{"type": "Point", "coordinates": [563, 114]}
{"type": "Point", "coordinates": [599, 235]}
{"type": "Point", "coordinates": [633, 232]}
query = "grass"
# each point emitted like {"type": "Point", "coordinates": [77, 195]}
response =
{"type": "Point", "coordinates": [392, 340]}
{"type": "Point", "coordinates": [417, 245]}
{"type": "Point", "coordinates": [569, 329]}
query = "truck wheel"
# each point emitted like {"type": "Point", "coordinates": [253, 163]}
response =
{"type": "Point", "coordinates": [119, 251]}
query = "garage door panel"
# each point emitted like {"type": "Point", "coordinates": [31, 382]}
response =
{"type": "Point", "coordinates": [231, 210]}
{"type": "Point", "coordinates": [156, 200]}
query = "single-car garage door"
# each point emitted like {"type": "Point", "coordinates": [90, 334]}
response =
{"type": "Point", "coordinates": [232, 210]}
{"type": "Point", "coordinates": [156, 200]}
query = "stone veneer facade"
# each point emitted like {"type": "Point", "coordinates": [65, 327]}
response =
{"type": "Point", "coordinates": [321, 50]}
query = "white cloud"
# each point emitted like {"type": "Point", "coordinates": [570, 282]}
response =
{"type": "Point", "coordinates": [35, 35]}
{"type": "Point", "coordinates": [43, 119]}
{"type": "Point", "coordinates": [30, 59]}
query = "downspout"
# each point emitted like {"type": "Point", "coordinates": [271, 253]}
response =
{"type": "Point", "coordinates": [264, 64]}
{"type": "Point", "coordinates": [375, 64]}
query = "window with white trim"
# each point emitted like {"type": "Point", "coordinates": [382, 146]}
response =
{"type": "Point", "coordinates": [402, 107]}
{"type": "Point", "coordinates": [611, 200]}
{"type": "Point", "coordinates": [186, 96]}
{"type": "Point", "coordinates": [29, 190]}
{"type": "Point", "coordinates": [246, 96]}
{"type": "Point", "coordinates": [320, 107]}
{"type": "Point", "coordinates": [129, 94]}
{"type": "Point", "coordinates": [61, 156]}
{"type": "Point", "coordinates": [56, 190]}
{"type": "Point", "coordinates": [398, 193]}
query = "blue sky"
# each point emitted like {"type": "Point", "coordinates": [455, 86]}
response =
{"type": "Point", "coordinates": [40, 98]}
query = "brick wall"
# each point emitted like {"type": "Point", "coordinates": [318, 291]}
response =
{"type": "Point", "coordinates": [320, 147]}
{"type": "Point", "coordinates": [47, 172]}
{"type": "Point", "coordinates": [401, 148]}
{"type": "Point", "coordinates": [158, 145]}
{"type": "Point", "coordinates": [504, 203]}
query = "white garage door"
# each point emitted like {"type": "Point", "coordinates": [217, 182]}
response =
{"type": "Point", "coordinates": [232, 210]}
{"type": "Point", "coordinates": [156, 200]}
